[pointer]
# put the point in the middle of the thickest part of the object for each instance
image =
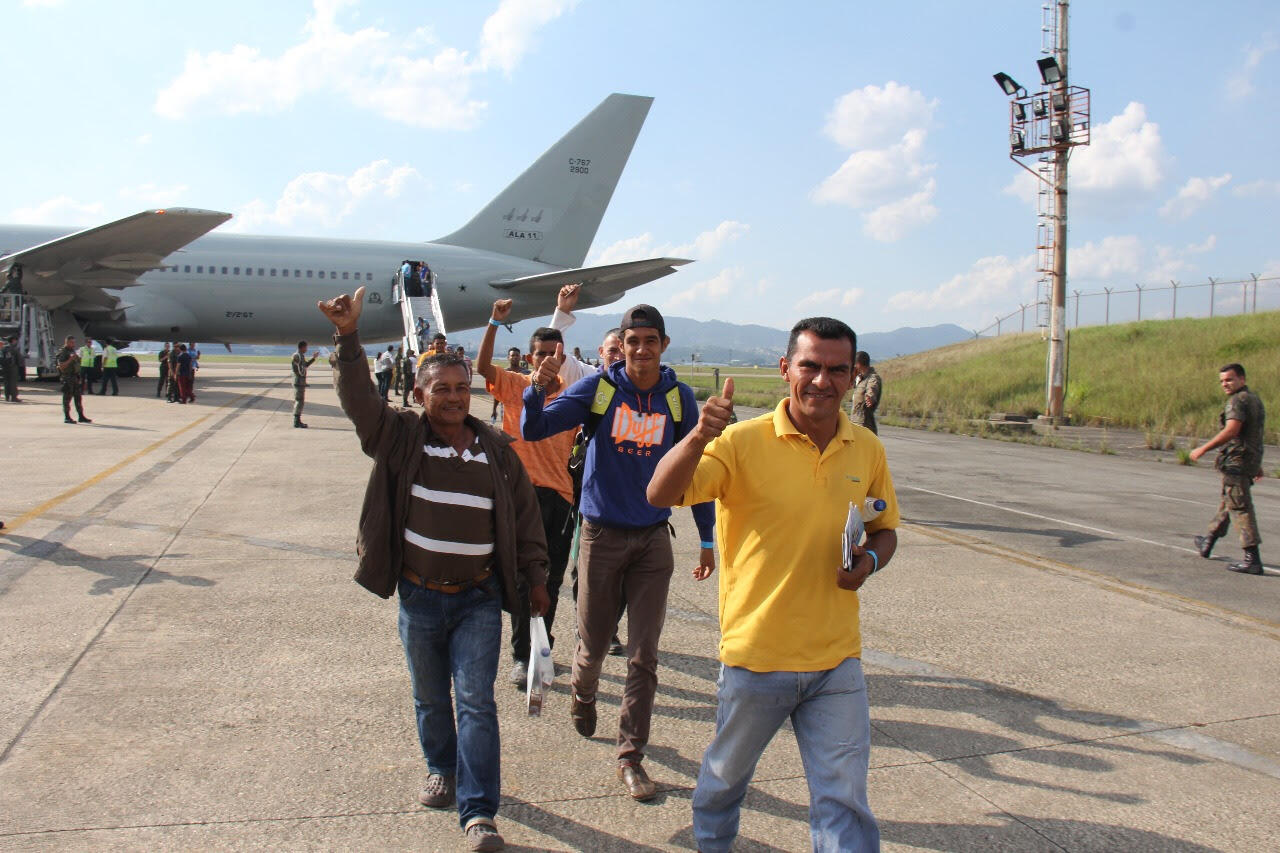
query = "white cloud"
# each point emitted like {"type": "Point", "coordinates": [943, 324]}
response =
{"type": "Point", "coordinates": [991, 280]}
{"type": "Point", "coordinates": [704, 246]}
{"type": "Point", "coordinates": [144, 139]}
{"type": "Point", "coordinates": [888, 170]}
{"type": "Point", "coordinates": [828, 299]}
{"type": "Point", "coordinates": [893, 221]}
{"type": "Point", "coordinates": [1106, 259]}
{"type": "Point", "coordinates": [1193, 194]}
{"type": "Point", "coordinates": [1124, 155]}
{"type": "Point", "coordinates": [152, 195]}
{"type": "Point", "coordinates": [1240, 83]}
{"type": "Point", "coordinates": [373, 69]}
{"type": "Point", "coordinates": [874, 117]}
{"type": "Point", "coordinates": [710, 291]}
{"type": "Point", "coordinates": [877, 175]}
{"type": "Point", "coordinates": [1263, 188]}
{"type": "Point", "coordinates": [60, 210]}
{"type": "Point", "coordinates": [325, 198]}
{"type": "Point", "coordinates": [508, 31]}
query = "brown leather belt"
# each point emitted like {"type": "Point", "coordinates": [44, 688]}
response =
{"type": "Point", "coordinates": [447, 587]}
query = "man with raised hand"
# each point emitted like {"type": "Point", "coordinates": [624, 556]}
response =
{"type": "Point", "coordinates": [790, 644]}
{"type": "Point", "coordinates": [546, 461]}
{"type": "Point", "coordinates": [635, 412]}
{"type": "Point", "coordinates": [450, 522]}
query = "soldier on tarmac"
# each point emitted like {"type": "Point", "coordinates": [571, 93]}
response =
{"type": "Point", "coordinates": [866, 391]}
{"type": "Point", "coordinates": [68, 361]}
{"type": "Point", "coordinates": [1240, 463]}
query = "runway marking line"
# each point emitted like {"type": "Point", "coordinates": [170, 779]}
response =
{"type": "Point", "coordinates": [54, 501]}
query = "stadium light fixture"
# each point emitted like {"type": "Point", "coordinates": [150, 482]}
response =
{"type": "Point", "coordinates": [1007, 84]}
{"type": "Point", "coordinates": [1050, 70]}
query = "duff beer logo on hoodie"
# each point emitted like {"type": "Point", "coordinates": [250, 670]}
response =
{"type": "Point", "coordinates": [642, 430]}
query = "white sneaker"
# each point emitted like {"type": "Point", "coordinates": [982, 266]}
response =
{"type": "Point", "coordinates": [519, 673]}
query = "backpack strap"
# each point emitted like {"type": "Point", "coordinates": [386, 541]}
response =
{"type": "Point", "coordinates": [599, 405]}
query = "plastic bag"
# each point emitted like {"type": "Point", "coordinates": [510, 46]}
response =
{"type": "Point", "coordinates": [542, 669]}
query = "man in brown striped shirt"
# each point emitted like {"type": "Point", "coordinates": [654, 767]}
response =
{"type": "Point", "coordinates": [449, 521]}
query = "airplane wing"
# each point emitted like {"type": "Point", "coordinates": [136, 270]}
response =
{"type": "Point", "coordinates": [73, 271]}
{"type": "Point", "coordinates": [600, 285]}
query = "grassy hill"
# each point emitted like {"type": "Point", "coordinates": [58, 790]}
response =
{"type": "Point", "coordinates": [1159, 376]}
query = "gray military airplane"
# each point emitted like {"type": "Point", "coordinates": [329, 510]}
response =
{"type": "Point", "coordinates": [157, 276]}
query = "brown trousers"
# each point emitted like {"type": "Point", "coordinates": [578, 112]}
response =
{"type": "Point", "coordinates": [1237, 500]}
{"type": "Point", "coordinates": [639, 563]}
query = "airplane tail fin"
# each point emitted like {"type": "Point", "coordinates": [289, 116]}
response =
{"type": "Point", "coordinates": [552, 211]}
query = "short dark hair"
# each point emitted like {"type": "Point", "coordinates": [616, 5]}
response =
{"type": "Point", "coordinates": [863, 358]}
{"type": "Point", "coordinates": [432, 363]}
{"type": "Point", "coordinates": [515, 350]}
{"type": "Point", "coordinates": [826, 328]}
{"type": "Point", "coordinates": [301, 344]}
{"type": "Point", "coordinates": [615, 332]}
{"type": "Point", "coordinates": [544, 333]}
{"type": "Point", "coordinates": [439, 336]}
{"type": "Point", "coordinates": [1237, 369]}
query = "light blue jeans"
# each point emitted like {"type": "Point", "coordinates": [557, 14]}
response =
{"type": "Point", "coordinates": [456, 638]}
{"type": "Point", "coordinates": [832, 723]}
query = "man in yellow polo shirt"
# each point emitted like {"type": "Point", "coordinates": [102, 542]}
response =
{"type": "Point", "coordinates": [790, 643]}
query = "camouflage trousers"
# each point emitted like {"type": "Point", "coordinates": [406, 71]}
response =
{"type": "Point", "coordinates": [866, 418]}
{"type": "Point", "coordinates": [1237, 501]}
{"type": "Point", "coordinates": [72, 391]}
{"type": "Point", "coordinates": [299, 397]}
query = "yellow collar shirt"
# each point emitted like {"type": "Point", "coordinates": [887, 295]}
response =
{"type": "Point", "coordinates": [780, 512]}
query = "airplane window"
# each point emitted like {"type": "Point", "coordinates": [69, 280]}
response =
{"type": "Point", "coordinates": [368, 276]}
{"type": "Point", "coordinates": [247, 270]}
{"type": "Point", "coordinates": [273, 272]}
{"type": "Point", "coordinates": [199, 269]}
{"type": "Point", "coordinates": [224, 270]}
{"type": "Point", "coordinates": [237, 270]}
{"type": "Point", "coordinates": [308, 273]}
{"type": "Point", "coordinates": [188, 268]}
{"type": "Point", "coordinates": [322, 273]}
{"type": "Point", "coordinates": [333, 275]}
{"type": "Point", "coordinates": [297, 273]}
{"type": "Point", "coordinates": [259, 270]}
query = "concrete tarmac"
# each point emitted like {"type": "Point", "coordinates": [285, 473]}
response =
{"type": "Point", "coordinates": [188, 664]}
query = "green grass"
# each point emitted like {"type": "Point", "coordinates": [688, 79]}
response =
{"type": "Point", "coordinates": [1156, 376]}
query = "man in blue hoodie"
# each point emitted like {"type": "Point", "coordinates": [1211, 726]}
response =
{"type": "Point", "coordinates": [633, 413]}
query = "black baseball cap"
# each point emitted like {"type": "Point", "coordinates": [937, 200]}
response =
{"type": "Point", "coordinates": [643, 317]}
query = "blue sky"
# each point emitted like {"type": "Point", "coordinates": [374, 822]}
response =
{"type": "Point", "coordinates": [838, 158]}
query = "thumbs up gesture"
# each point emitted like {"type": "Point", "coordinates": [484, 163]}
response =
{"type": "Point", "coordinates": [550, 367]}
{"type": "Point", "coordinates": [717, 412]}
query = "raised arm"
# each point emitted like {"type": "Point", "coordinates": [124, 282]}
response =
{"type": "Point", "coordinates": [484, 358]}
{"type": "Point", "coordinates": [675, 470]}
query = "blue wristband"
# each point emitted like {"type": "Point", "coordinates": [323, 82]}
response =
{"type": "Point", "coordinates": [708, 544]}
{"type": "Point", "coordinates": [875, 561]}
{"type": "Point", "coordinates": [493, 322]}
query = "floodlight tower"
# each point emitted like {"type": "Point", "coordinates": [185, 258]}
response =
{"type": "Point", "coordinates": [1048, 125]}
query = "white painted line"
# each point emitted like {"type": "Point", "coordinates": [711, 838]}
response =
{"type": "Point", "coordinates": [1054, 520]}
{"type": "Point", "coordinates": [1201, 504]}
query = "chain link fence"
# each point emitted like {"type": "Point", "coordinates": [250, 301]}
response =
{"type": "Point", "coordinates": [1211, 298]}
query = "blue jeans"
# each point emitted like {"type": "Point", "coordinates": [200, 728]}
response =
{"type": "Point", "coordinates": [829, 713]}
{"type": "Point", "coordinates": [456, 637]}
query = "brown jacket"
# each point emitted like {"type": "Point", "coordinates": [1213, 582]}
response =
{"type": "Point", "coordinates": [394, 438]}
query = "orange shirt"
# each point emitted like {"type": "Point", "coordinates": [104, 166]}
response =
{"type": "Point", "coordinates": [546, 460]}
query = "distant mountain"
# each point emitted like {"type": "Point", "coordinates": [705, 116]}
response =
{"type": "Point", "coordinates": [715, 341]}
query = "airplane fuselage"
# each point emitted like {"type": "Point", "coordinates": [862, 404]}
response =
{"type": "Point", "coordinates": [228, 288]}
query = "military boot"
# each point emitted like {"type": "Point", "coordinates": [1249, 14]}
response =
{"type": "Point", "coordinates": [1252, 564]}
{"type": "Point", "coordinates": [1204, 544]}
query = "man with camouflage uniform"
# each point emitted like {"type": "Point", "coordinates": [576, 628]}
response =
{"type": "Point", "coordinates": [300, 365]}
{"type": "Point", "coordinates": [866, 391]}
{"type": "Point", "coordinates": [1240, 462]}
{"type": "Point", "coordinates": [68, 361]}
{"type": "Point", "coordinates": [11, 368]}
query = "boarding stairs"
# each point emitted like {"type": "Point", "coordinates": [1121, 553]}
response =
{"type": "Point", "coordinates": [413, 307]}
{"type": "Point", "coordinates": [34, 327]}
